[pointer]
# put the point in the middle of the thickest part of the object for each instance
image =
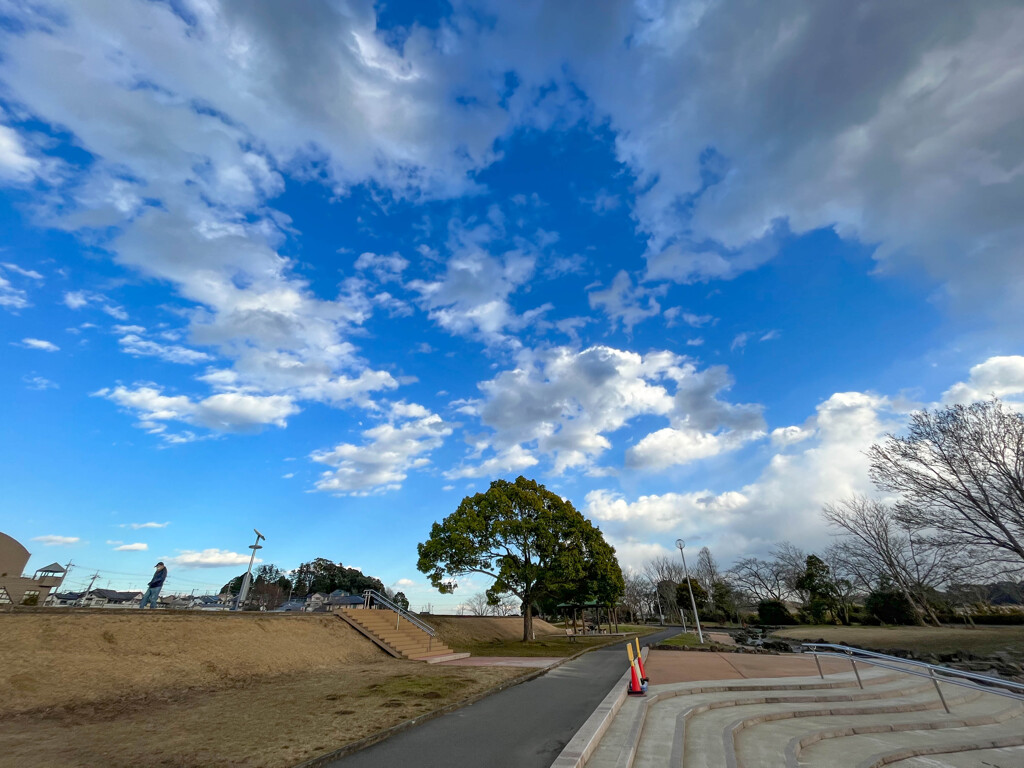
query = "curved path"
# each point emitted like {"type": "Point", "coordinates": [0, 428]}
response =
{"type": "Point", "coordinates": [525, 726]}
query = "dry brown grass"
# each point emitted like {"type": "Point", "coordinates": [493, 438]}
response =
{"type": "Point", "coordinates": [111, 689]}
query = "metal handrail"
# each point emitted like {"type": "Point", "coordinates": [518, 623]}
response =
{"type": "Point", "coordinates": [972, 680]}
{"type": "Point", "coordinates": [376, 597]}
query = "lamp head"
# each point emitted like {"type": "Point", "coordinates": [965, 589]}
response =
{"type": "Point", "coordinates": [680, 543]}
{"type": "Point", "coordinates": [258, 533]}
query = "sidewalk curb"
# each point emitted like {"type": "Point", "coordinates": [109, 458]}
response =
{"type": "Point", "coordinates": [379, 736]}
{"type": "Point", "coordinates": [581, 746]}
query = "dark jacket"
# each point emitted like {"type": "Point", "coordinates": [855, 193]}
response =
{"type": "Point", "coordinates": [158, 578]}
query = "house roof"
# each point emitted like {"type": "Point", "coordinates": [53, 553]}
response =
{"type": "Point", "coordinates": [346, 600]}
{"type": "Point", "coordinates": [52, 568]}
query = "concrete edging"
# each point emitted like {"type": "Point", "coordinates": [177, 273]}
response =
{"type": "Point", "coordinates": [581, 746]}
{"type": "Point", "coordinates": [375, 738]}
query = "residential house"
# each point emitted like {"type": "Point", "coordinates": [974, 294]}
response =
{"type": "Point", "coordinates": [298, 605]}
{"type": "Point", "coordinates": [315, 601]}
{"type": "Point", "coordinates": [17, 589]}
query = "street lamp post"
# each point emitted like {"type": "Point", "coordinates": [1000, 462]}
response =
{"type": "Point", "coordinates": [693, 603]}
{"type": "Point", "coordinates": [244, 591]}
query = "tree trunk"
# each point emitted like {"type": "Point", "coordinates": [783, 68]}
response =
{"type": "Point", "coordinates": [527, 621]}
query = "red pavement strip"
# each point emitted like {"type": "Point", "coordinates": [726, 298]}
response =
{"type": "Point", "coordinates": [503, 661]}
{"type": "Point", "coordinates": [688, 666]}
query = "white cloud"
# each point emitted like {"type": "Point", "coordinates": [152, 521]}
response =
{"type": "Point", "coordinates": [39, 383]}
{"type": "Point", "coordinates": [389, 452]}
{"type": "Point", "coordinates": [12, 298]}
{"type": "Point", "coordinates": [22, 271]}
{"type": "Point", "coordinates": [674, 314]}
{"type": "Point", "coordinates": [404, 583]}
{"type": "Point", "coordinates": [225, 412]}
{"type": "Point", "coordinates": [790, 435]}
{"type": "Point", "coordinates": [999, 376]}
{"type": "Point", "coordinates": [138, 526]}
{"type": "Point", "coordinates": [56, 541]}
{"type": "Point", "coordinates": [172, 353]}
{"type": "Point", "coordinates": [473, 296]}
{"type": "Point", "coordinates": [386, 268]}
{"type": "Point", "coordinates": [42, 344]}
{"type": "Point", "coordinates": [565, 403]}
{"type": "Point", "coordinates": [288, 476]}
{"type": "Point", "coordinates": [623, 302]}
{"type": "Point", "coordinates": [784, 502]}
{"type": "Point", "coordinates": [16, 165]}
{"type": "Point", "coordinates": [208, 558]}
{"type": "Point", "coordinates": [81, 299]}
{"type": "Point", "coordinates": [137, 547]}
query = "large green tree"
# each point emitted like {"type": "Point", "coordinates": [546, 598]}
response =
{"type": "Point", "coordinates": [534, 544]}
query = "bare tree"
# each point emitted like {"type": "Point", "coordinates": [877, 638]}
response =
{"type": "Point", "coordinates": [707, 574]}
{"type": "Point", "coordinates": [791, 562]}
{"type": "Point", "coordinates": [665, 574]}
{"type": "Point", "coordinates": [509, 605]}
{"type": "Point", "coordinates": [477, 605]}
{"type": "Point", "coordinates": [638, 595]}
{"type": "Point", "coordinates": [761, 579]}
{"type": "Point", "coordinates": [960, 472]}
{"type": "Point", "coordinates": [872, 543]}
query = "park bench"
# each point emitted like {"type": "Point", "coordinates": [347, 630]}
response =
{"type": "Point", "coordinates": [571, 634]}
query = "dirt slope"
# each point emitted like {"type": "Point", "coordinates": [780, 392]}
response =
{"type": "Point", "coordinates": [63, 657]}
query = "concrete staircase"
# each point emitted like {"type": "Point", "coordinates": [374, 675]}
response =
{"type": "Point", "coordinates": [397, 636]}
{"type": "Point", "coordinates": [810, 723]}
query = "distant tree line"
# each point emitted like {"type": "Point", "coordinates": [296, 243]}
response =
{"type": "Point", "coordinates": [272, 586]}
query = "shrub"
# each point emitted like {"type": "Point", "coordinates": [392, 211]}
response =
{"type": "Point", "coordinates": [774, 612]}
{"type": "Point", "coordinates": [890, 606]}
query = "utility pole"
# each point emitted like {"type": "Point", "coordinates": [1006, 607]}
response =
{"type": "Point", "coordinates": [89, 589]}
{"type": "Point", "coordinates": [240, 600]}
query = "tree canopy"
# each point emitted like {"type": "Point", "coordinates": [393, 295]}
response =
{"type": "Point", "coordinates": [534, 544]}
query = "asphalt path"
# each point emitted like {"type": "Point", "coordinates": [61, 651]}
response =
{"type": "Point", "coordinates": [525, 726]}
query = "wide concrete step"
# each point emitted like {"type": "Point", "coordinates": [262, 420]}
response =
{"type": "Point", "coordinates": [877, 749]}
{"type": "Point", "coordinates": [807, 723]}
{"type": "Point", "coordinates": [621, 745]}
{"type": "Point", "coordinates": [790, 736]}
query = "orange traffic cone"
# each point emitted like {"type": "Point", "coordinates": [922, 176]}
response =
{"type": "Point", "coordinates": [640, 663]}
{"type": "Point", "coordinates": [635, 687]}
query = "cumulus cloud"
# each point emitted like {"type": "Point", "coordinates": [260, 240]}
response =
{"type": "Point", "coordinates": [388, 453]}
{"type": "Point", "coordinates": [41, 344]}
{"type": "Point", "coordinates": [404, 583]}
{"type": "Point", "coordinates": [565, 403]}
{"type": "Point", "coordinates": [208, 558]}
{"type": "Point", "coordinates": [473, 295]}
{"type": "Point", "coordinates": [225, 412]}
{"type": "Point", "coordinates": [1000, 376]}
{"type": "Point", "coordinates": [785, 500]}
{"type": "Point", "coordinates": [56, 541]}
{"type": "Point", "coordinates": [624, 302]}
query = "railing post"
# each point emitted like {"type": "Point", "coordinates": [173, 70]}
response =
{"type": "Point", "coordinates": [938, 690]}
{"type": "Point", "coordinates": [853, 662]}
{"type": "Point", "coordinates": [818, 662]}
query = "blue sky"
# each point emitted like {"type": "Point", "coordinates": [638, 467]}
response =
{"type": "Point", "coordinates": [326, 269]}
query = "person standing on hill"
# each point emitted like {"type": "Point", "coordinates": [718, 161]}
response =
{"type": "Point", "coordinates": [154, 586]}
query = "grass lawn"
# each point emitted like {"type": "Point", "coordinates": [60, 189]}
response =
{"type": "Point", "coordinates": [688, 640]}
{"type": "Point", "coordinates": [920, 640]}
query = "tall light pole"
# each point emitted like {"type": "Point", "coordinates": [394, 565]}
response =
{"type": "Point", "coordinates": [240, 600]}
{"type": "Point", "coordinates": [700, 635]}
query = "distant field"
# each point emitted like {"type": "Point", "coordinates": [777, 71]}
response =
{"type": "Point", "coordinates": [977, 640]}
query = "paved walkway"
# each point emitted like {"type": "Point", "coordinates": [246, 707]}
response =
{"type": "Point", "coordinates": [525, 726]}
{"type": "Point", "coordinates": [529, 662]}
{"type": "Point", "coordinates": [687, 666]}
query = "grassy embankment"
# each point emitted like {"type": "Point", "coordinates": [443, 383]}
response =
{"type": "Point", "coordinates": [192, 689]}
